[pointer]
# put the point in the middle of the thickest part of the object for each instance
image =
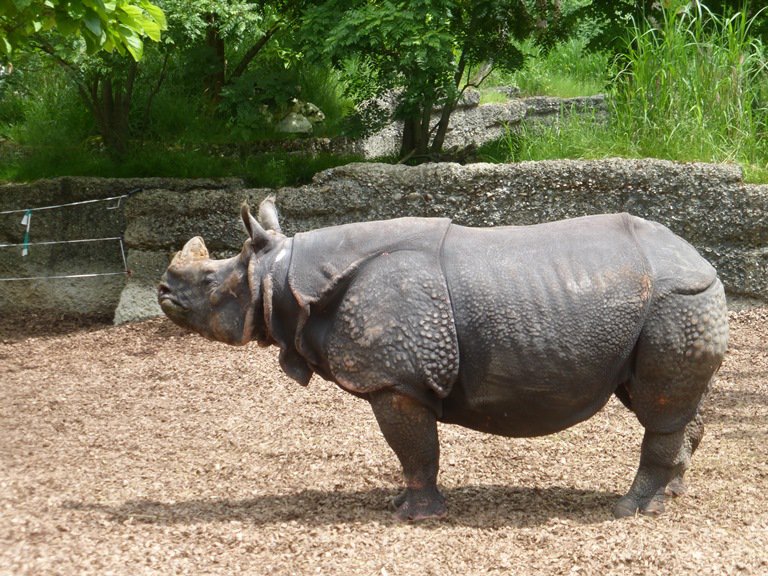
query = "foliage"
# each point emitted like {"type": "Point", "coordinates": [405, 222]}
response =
{"type": "Point", "coordinates": [97, 43]}
{"type": "Point", "coordinates": [52, 115]}
{"type": "Point", "coordinates": [566, 70]}
{"type": "Point", "coordinates": [614, 17]}
{"type": "Point", "coordinates": [424, 49]}
{"type": "Point", "coordinates": [258, 169]}
{"type": "Point", "coordinates": [693, 86]}
{"type": "Point", "coordinates": [119, 93]}
{"type": "Point", "coordinates": [119, 25]}
{"type": "Point", "coordinates": [224, 37]}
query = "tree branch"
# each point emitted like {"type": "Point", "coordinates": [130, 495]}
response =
{"type": "Point", "coordinates": [82, 87]}
{"type": "Point", "coordinates": [155, 89]}
{"type": "Point", "coordinates": [254, 50]}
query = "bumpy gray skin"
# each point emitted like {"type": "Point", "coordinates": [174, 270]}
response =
{"type": "Point", "coordinates": [517, 331]}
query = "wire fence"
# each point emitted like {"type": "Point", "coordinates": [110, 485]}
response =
{"type": "Point", "coordinates": [114, 203]}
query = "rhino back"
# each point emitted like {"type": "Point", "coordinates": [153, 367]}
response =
{"type": "Point", "coordinates": [547, 317]}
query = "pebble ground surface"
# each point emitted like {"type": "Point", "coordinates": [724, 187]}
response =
{"type": "Point", "coordinates": [141, 449]}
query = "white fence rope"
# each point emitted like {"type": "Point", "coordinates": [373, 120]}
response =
{"type": "Point", "coordinates": [117, 200]}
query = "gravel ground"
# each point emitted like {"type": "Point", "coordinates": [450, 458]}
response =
{"type": "Point", "coordinates": [144, 450]}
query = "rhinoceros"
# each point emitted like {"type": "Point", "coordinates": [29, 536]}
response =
{"type": "Point", "coordinates": [518, 331]}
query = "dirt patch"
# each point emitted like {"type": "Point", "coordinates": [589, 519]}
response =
{"type": "Point", "coordinates": [144, 450]}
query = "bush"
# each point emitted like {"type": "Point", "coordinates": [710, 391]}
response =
{"type": "Point", "coordinates": [692, 88]}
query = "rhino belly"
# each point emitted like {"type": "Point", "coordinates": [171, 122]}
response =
{"type": "Point", "coordinates": [521, 408]}
{"type": "Point", "coordinates": [547, 317]}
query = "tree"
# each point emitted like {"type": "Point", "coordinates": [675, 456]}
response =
{"type": "Point", "coordinates": [233, 34]}
{"type": "Point", "coordinates": [98, 43]}
{"type": "Point", "coordinates": [426, 49]}
{"type": "Point", "coordinates": [119, 25]}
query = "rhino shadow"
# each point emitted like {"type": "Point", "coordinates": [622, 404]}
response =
{"type": "Point", "coordinates": [472, 506]}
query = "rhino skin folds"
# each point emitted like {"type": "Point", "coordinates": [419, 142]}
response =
{"type": "Point", "coordinates": [517, 330]}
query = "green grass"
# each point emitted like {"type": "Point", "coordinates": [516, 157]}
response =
{"type": "Point", "coordinates": [694, 89]}
{"type": "Point", "coordinates": [567, 70]}
{"type": "Point", "coordinates": [579, 136]}
{"type": "Point", "coordinates": [491, 96]}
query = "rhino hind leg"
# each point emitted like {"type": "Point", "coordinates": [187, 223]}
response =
{"type": "Point", "coordinates": [410, 429]}
{"type": "Point", "coordinates": [694, 432]}
{"type": "Point", "coordinates": [681, 346]}
{"type": "Point", "coordinates": [658, 466]}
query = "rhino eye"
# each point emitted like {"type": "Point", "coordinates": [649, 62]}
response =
{"type": "Point", "coordinates": [210, 281]}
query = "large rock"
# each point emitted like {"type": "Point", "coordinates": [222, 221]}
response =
{"type": "Point", "coordinates": [294, 123]}
{"type": "Point", "coordinates": [708, 204]}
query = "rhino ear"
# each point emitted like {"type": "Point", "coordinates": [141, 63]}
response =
{"type": "Point", "coordinates": [259, 237]}
{"type": "Point", "coordinates": [268, 214]}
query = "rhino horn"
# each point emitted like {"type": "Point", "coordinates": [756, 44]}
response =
{"type": "Point", "coordinates": [194, 249]}
{"type": "Point", "coordinates": [259, 236]}
{"type": "Point", "coordinates": [268, 214]}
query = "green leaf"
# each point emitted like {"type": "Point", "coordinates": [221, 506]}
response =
{"type": "Point", "coordinates": [5, 46]}
{"type": "Point", "coordinates": [157, 14]}
{"type": "Point", "coordinates": [66, 25]}
{"type": "Point", "coordinates": [128, 21]}
{"type": "Point", "coordinates": [92, 43]}
{"type": "Point", "coordinates": [132, 42]}
{"type": "Point", "coordinates": [151, 29]}
{"type": "Point", "coordinates": [7, 7]}
{"type": "Point", "coordinates": [131, 10]}
{"type": "Point", "coordinates": [93, 23]}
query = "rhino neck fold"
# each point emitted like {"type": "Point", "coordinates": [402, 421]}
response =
{"type": "Point", "coordinates": [281, 312]}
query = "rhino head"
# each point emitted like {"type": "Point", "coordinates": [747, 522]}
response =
{"type": "Point", "coordinates": [219, 299]}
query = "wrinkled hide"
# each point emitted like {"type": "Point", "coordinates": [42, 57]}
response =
{"type": "Point", "coordinates": [518, 331]}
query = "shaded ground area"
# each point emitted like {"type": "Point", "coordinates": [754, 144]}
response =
{"type": "Point", "coordinates": [143, 450]}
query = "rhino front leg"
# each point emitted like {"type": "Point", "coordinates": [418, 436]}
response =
{"type": "Point", "coordinates": [410, 429]}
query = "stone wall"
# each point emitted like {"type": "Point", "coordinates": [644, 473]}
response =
{"type": "Point", "coordinates": [707, 204]}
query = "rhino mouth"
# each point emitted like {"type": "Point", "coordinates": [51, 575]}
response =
{"type": "Point", "coordinates": [168, 302]}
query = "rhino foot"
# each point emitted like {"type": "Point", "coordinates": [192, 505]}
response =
{"type": "Point", "coordinates": [399, 500]}
{"type": "Point", "coordinates": [414, 505]}
{"type": "Point", "coordinates": [628, 506]}
{"type": "Point", "coordinates": [676, 488]}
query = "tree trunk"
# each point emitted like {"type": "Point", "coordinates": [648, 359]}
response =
{"type": "Point", "coordinates": [215, 79]}
{"type": "Point", "coordinates": [408, 142]}
{"type": "Point", "coordinates": [415, 141]}
{"type": "Point", "coordinates": [448, 108]}
{"type": "Point", "coordinates": [416, 131]}
{"type": "Point", "coordinates": [111, 100]}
